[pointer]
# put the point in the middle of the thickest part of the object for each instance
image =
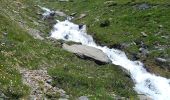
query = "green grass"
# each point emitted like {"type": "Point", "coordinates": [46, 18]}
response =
{"type": "Point", "coordinates": [126, 24]}
{"type": "Point", "coordinates": [97, 82]}
{"type": "Point", "coordinates": [76, 76]}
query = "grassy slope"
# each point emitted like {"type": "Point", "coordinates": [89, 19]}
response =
{"type": "Point", "coordinates": [126, 24]}
{"type": "Point", "coordinates": [78, 77]}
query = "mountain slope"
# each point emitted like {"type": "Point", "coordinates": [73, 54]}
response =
{"type": "Point", "coordinates": [76, 76]}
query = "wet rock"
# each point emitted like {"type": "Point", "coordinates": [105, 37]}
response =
{"type": "Point", "coordinates": [87, 52]}
{"type": "Point", "coordinates": [83, 98]}
{"type": "Point", "coordinates": [105, 23]}
{"type": "Point", "coordinates": [120, 46]}
{"type": "Point", "coordinates": [135, 56]}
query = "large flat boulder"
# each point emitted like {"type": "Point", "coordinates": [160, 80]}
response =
{"type": "Point", "coordinates": [87, 51]}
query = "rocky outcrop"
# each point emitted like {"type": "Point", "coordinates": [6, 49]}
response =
{"type": "Point", "coordinates": [40, 83]}
{"type": "Point", "coordinates": [87, 52]}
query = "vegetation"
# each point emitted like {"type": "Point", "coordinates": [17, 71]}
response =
{"type": "Point", "coordinates": [125, 22]}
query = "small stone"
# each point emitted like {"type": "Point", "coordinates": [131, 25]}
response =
{"type": "Point", "coordinates": [4, 33]}
{"type": "Point", "coordinates": [143, 6]}
{"type": "Point", "coordinates": [160, 26]}
{"type": "Point", "coordinates": [161, 60]}
{"type": "Point", "coordinates": [144, 34]}
{"type": "Point", "coordinates": [143, 97]}
{"type": "Point", "coordinates": [83, 98]}
{"type": "Point", "coordinates": [73, 14]}
{"type": "Point", "coordinates": [144, 51]}
{"type": "Point", "coordinates": [82, 16]}
{"type": "Point", "coordinates": [49, 81]}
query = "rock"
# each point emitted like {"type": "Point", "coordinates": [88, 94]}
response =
{"type": "Point", "coordinates": [135, 56]}
{"type": "Point", "coordinates": [4, 33]}
{"type": "Point", "coordinates": [164, 63]}
{"type": "Point", "coordinates": [82, 16]}
{"type": "Point", "coordinates": [143, 6]}
{"type": "Point", "coordinates": [83, 98]}
{"type": "Point", "coordinates": [144, 51]}
{"type": "Point", "coordinates": [73, 14]}
{"type": "Point", "coordinates": [105, 23]}
{"type": "Point", "coordinates": [110, 3]}
{"type": "Point", "coordinates": [60, 13]}
{"type": "Point", "coordinates": [161, 60]}
{"type": "Point", "coordinates": [144, 34]}
{"type": "Point", "coordinates": [49, 81]}
{"type": "Point", "coordinates": [160, 26]}
{"type": "Point", "coordinates": [87, 52]}
{"type": "Point", "coordinates": [144, 97]}
{"type": "Point", "coordinates": [119, 46]}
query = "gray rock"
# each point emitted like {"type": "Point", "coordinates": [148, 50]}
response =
{"type": "Point", "coordinates": [144, 97]}
{"type": "Point", "coordinates": [73, 14]}
{"type": "Point", "coordinates": [4, 33]}
{"type": "Point", "coordinates": [87, 51]}
{"type": "Point", "coordinates": [60, 13]}
{"type": "Point", "coordinates": [144, 34]}
{"type": "Point", "coordinates": [144, 51]}
{"type": "Point", "coordinates": [143, 6]}
{"type": "Point", "coordinates": [82, 16]}
{"type": "Point", "coordinates": [160, 60]}
{"type": "Point", "coordinates": [49, 81]}
{"type": "Point", "coordinates": [83, 98]}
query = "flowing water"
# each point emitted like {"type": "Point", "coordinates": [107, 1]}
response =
{"type": "Point", "coordinates": [156, 87]}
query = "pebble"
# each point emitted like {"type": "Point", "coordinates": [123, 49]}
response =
{"type": "Point", "coordinates": [144, 34]}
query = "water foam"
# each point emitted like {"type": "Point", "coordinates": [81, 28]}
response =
{"type": "Point", "coordinates": [156, 87]}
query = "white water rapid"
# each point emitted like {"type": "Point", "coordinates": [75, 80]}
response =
{"type": "Point", "coordinates": [156, 87]}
